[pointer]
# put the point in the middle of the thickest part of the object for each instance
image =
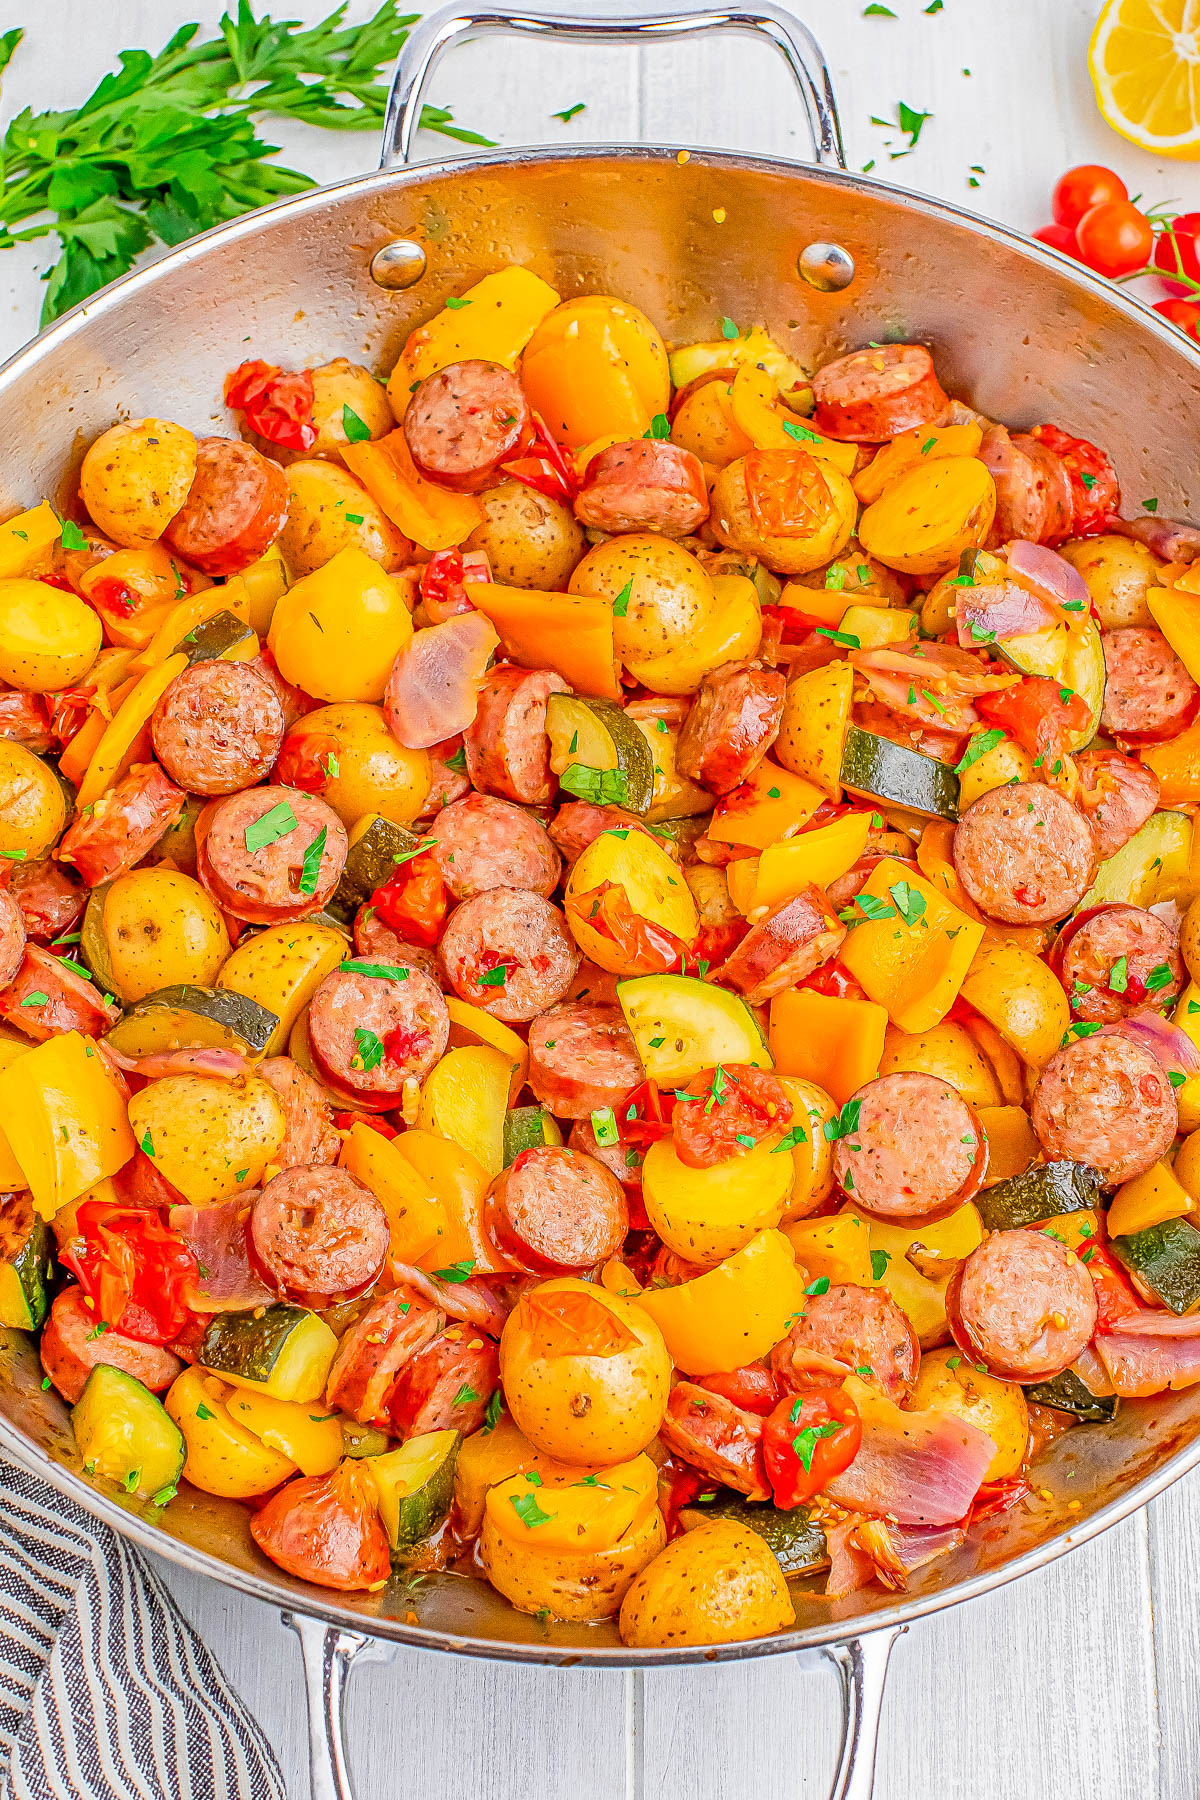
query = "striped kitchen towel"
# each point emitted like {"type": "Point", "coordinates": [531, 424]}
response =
{"type": "Point", "coordinates": [106, 1692]}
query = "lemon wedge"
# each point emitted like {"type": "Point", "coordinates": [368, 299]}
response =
{"type": "Point", "coordinates": [1144, 59]}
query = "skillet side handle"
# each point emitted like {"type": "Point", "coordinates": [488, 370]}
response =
{"type": "Point", "coordinates": [451, 24]}
{"type": "Point", "coordinates": [863, 1665]}
{"type": "Point", "coordinates": [327, 1653]}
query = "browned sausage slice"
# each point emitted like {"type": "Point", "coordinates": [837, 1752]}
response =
{"type": "Point", "coordinates": [319, 1236]}
{"type": "Point", "coordinates": [582, 1056]}
{"type": "Point", "coordinates": [733, 722]}
{"type": "Point", "coordinates": [369, 1034]}
{"type": "Point", "coordinates": [556, 1210]}
{"type": "Point", "coordinates": [849, 1330]}
{"type": "Point", "coordinates": [47, 996]}
{"type": "Point", "coordinates": [621, 1160]}
{"type": "Point", "coordinates": [70, 1348]}
{"type": "Point", "coordinates": [234, 510]}
{"type": "Point", "coordinates": [1023, 1304]}
{"type": "Point", "coordinates": [218, 727]}
{"type": "Point", "coordinates": [12, 937]}
{"type": "Point", "coordinates": [122, 825]}
{"type": "Point", "coordinates": [1147, 691]}
{"type": "Point", "coordinates": [50, 899]}
{"type": "Point", "coordinates": [1116, 796]}
{"type": "Point", "coordinates": [1117, 960]}
{"type": "Point", "coordinates": [1105, 1101]}
{"type": "Point", "coordinates": [910, 1148]}
{"type": "Point", "coordinates": [643, 484]}
{"type": "Point", "coordinates": [1033, 489]}
{"type": "Point", "coordinates": [447, 1385]}
{"type": "Point", "coordinates": [483, 843]}
{"type": "Point", "coordinates": [309, 1135]}
{"type": "Point", "coordinates": [795, 938]}
{"type": "Point", "coordinates": [579, 823]}
{"type": "Point", "coordinates": [270, 855]}
{"type": "Point", "coordinates": [878, 392]}
{"type": "Point", "coordinates": [465, 421]}
{"type": "Point", "coordinates": [718, 1438]}
{"type": "Point", "coordinates": [508, 752]}
{"type": "Point", "coordinates": [377, 942]}
{"type": "Point", "coordinates": [375, 1349]}
{"type": "Point", "coordinates": [509, 952]}
{"type": "Point", "coordinates": [1024, 854]}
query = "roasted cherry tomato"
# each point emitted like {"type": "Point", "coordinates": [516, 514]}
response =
{"type": "Point", "coordinates": [133, 1268]}
{"type": "Point", "coordinates": [646, 948]}
{"type": "Point", "coordinates": [277, 406]}
{"type": "Point", "coordinates": [753, 1389]}
{"type": "Point", "coordinates": [1039, 713]}
{"type": "Point", "coordinates": [1176, 251]}
{"type": "Point", "coordinates": [414, 902]}
{"type": "Point", "coordinates": [1115, 1298]}
{"type": "Point", "coordinates": [788, 494]}
{"type": "Point", "coordinates": [1095, 490]}
{"type": "Point", "coordinates": [1115, 238]}
{"type": "Point", "coordinates": [808, 1439]}
{"type": "Point", "coordinates": [1081, 189]}
{"type": "Point", "coordinates": [308, 760]}
{"type": "Point", "coordinates": [548, 468]}
{"type": "Point", "coordinates": [725, 1110]}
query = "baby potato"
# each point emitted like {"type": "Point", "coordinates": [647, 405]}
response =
{"type": "Point", "coordinates": [947, 1051]}
{"type": "Point", "coordinates": [33, 803]}
{"type": "Point", "coordinates": [1117, 570]}
{"type": "Point", "coordinates": [705, 1215]}
{"type": "Point", "coordinates": [670, 596]}
{"type": "Point", "coordinates": [223, 1457]}
{"type": "Point", "coordinates": [568, 1584]}
{"type": "Point", "coordinates": [705, 425]}
{"type": "Point", "coordinates": [340, 384]}
{"type": "Point", "coordinates": [586, 1374]}
{"type": "Point", "coordinates": [856, 573]}
{"type": "Point", "coordinates": [812, 1156]}
{"type": "Point", "coordinates": [135, 478]}
{"type": "Point", "coordinates": [328, 511]}
{"type": "Point", "coordinates": [338, 631]}
{"type": "Point", "coordinates": [1189, 940]}
{"type": "Point", "coordinates": [734, 523]}
{"type": "Point", "coordinates": [49, 639]}
{"type": "Point", "coordinates": [995, 1406]}
{"type": "Point", "coordinates": [209, 1138]}
{"type": "Point", "coordinates": [367, 771]}
{"type": "Point", "coordinates": [717, 1584]}
{"type": "Point", "coordinates": [151, 929]}
{"type": "Point", "coordinates": [529, 540]}
{"type": "Point", "coordinates": [924, 520]}
{"type": "Point", "coordinates": [731, 633]}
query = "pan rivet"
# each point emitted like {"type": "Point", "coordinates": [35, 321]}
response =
{"type": "Point", "coordinates": [399, 264]}
{"type": "Point", "coordinates": [827, 267]}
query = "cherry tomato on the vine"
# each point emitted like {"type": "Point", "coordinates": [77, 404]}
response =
{"type": "Point", "coordinates": [1183, 313]}
{"type": "Point", "coordinates": [1076, 192]}
{"type": "Point", "coordinates": [1115, 238]}
{"type": "Point", "coordinates": [1176, 251]}
{"type": "Point", "coordinates": [1059, 237]}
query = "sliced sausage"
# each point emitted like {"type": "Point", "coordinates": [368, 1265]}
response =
{"type": "Point", "coordinates": [375, 1349]}
{"type": "Point", "coordinates": [1116, 796]}
{"type": "Point", "coordinates": [447, 1385]}
{"type": "Point", "coordinates": [294, 701]}
{"type": "Point", "coordinates": [877, 393]}
{"type": "Point", "coordinates": [725, 1110]}
{"type": "Point", "coordinates": [508, 752]}
{"type": "Point", "coordinates": [234, 511]}
{"type": "Point", "coordinates": [487, 843]}
{"type": "Point", "coordinates": [12, 937]}
{"type": "Point", "coordinates": [50, 899]}
{"type": "Point", "coordinates": [556, 1210]}
{"type": "Point", "coordinates": [369, 1034]}
{"type": "Point", "coordinates": [46, 997]}
{"type": "Point", "coordinates": [218, 727]}
{"type": "Point", "coordinates": [270, 855]}
{"type": "Point", "coordinates": [1148, 693]}
{"type": "Point", "coordinates": [582, 1056]}
{"type": "Point", "coordinates": [643, 484]}
{"type": "Point", "coordinates": [718, 1438]}
{"type": "Point", "coordinates": [70, 1348]}
{"type": "Point", "coordinates": [1095, 490]}
{"type": "Point", "coordinates": [509, 952]}
{"type": "Point", "coordinates": [318, 1236]}
{"type": "Point", "coordinates": [579, 823]}
{"type": "Point", "coordinates": [122, 826]}
{"type": "Point", "coordinates": [910, 1148]}
{"type": "Point", "coordinates": [1118, 959]}
{"type": "Point", "coordinates": [24, 718]}
{"type": "Point", "coordinates": [590, 982]}
{"type": "Point", "coordinates": [463, 422]}
{"type": "Point", "coordinates": [849, 1330]}
{"type": "Point", "coordinates": [1105, 1101]}
{"type": "Point", "coordinates": [309, 1135]}
{"type": "Point", "coordinates": [795, 938]}
{"type": "Point", "coordinates": [733, 722]}
{"type": "Point", "coordinates": [1023, 1304]}
{"type": "Point", "coordinates": [1024, 854]}
{"type": "Point", "coordinates": [447, 784]}
{"type": "Point", "coordinates": [1033, 492]}
{"type": "Point", "coordinates": [377, 942]}
{"type": "Point", "coordinates": [621, 1160]}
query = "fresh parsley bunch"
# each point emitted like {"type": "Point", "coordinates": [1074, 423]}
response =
{"type": "Point", "coordinates": [169, 144]}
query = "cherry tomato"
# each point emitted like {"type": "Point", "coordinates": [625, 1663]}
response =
{"type": "Point", "coordinates": [1059, 237]}
{"type": "Point", "coordinates": [1095, 490]}
{"type": "Point", "coordinates": [1037, 715]}
{"type": "Point", "coordinates": [646, 948]}
{"type": "Point", "coordinates": [276, 405]}
{"type": "Point", "coordinates": [1079, 190]}
{"type": "Point", "coordinates": [808, 1439]}
{"type": "Point", "coordinates": [134, 1268]}
{"type": "Point", "coordinates": [752, 1388]}
{"type": "Point", "coordinates": [414, 901]}
{"type": "Point", "coordinates": [1176, 251]}
{"type": "Point", "coordinates": [307, 760]}
{"type": "Point", "coordinates": [1183, 313]}
{"type": "Point", "coordinates": [724, 1110]}
{"type": "Point", "coordinates": [1115, 238]}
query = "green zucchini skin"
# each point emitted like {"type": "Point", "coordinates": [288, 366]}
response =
{"type": "Point", "coordinates": [370, 860]}
{"type": "Point", "coordinates": [873, 768]}
{"type": "Point", "coordinates": [249, 1344]}
{"type": "Point", "coordinates": [793, 1535]}
{"type": "Point", "coordinates": [1069, 1393]}
{"type": "Point", "coordinates": [1166, 1259]}
{"type": "Point", "coordinates": [1043, 1192]}
{"type": "Point", "coordinates": [182, 1016]}
{"type": "Point", "coordinates": [524, 1129]}
{"type": "Point", "coordinates": [26, 1265]}
{"type": "Point", "coordinates": [125, 1434]}
{"type": "Point", "coordinates": [213, 638]}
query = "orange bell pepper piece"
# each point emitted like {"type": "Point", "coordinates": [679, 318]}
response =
{"type": "Point", "coordinates": [1177, 765]}
{"type": "Point", "coordinates": [768, 806]}
{"type": "Point", "coordinates": [825, 1038]}
{"type": "Point", "coordinates": [572, 633]}
{"type": "Point", "coordinates": [430, 515]}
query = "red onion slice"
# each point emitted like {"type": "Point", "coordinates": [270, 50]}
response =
{"type": "Point", "coordinates": [1050, 576]}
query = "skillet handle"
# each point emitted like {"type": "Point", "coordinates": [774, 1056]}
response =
{"type": "Point", "coordinates": [862, 1665]}
{"type": "Point", "coordinates": [327, 1653]}
{"type": "Point", "coordinates": [450, 24]}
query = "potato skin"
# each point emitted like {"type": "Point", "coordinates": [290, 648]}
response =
{"type": "Point", "coordinates": [705, 425]}
{"type": "Point", "coordinates": [338, 384]}
{"type": "Point", "coordinates": [997, 1407]}
{"type": "Point", "coordinates": [204, 1133]}
{"type": "Point", "coordinates": [160, 928]}
{"type": "Point", "coordinates": [574, 1586]}
{"type": "Point", "coordinates": [33, 805]}
{"type": "Point", "coordinates": [733, 523]}
{"type": "Point", "coordinates": [530, 540]}
{"type": "Point", "coordinates": [222, 1456]}
{"type": "Point", "coordinates": [718, 1584]}
{"type": "Point", "coordinates": [135, 478]}
{"type": "Point", "coordinates": [671, 600]}
{"type": "Point", "coordinates": [48, 639]}
{"type": "Point", "coordinates": [375, 774]}
{"type": "Point", "coordinates": [325, 500]}
{"type": "Point", "coordinates": [1117, 570]}
{"type": "Point", "coordinates": [1189, 939]}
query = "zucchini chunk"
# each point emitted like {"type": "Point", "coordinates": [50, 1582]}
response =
{"type": "Point", "coordinates": [377, 845]}
{"type": "Point", "coordinates": [1148, 868]}
{"type": "Point", "coordinates": [1164, 1261]}
{"type": "Point", "coordinates": [25, 1264]}
{"type": "Point", "coordinates": [682, 1025]}
{"type": "Point", "coordinates": [362, 1440]}
{"type": "Point", "coordinates": [214, 638]}
{"type": "Point", "coordinates": [282, 1350]}
{"type": "Point", "coordinates": [527, 1128]}
{"type": "Point", "coordinates": [1071, 655]}
{"type": "Point", "coordinates": [873, 768]}
{"type": "Point", "coordinates": [793, 1534]}
{"type": "Point", "coordinates": [1043, 1192]}
{"type": "Point", "coordinates": [189, 1018]}
{"type": "Point", "coordinates": [1069, 1393]}
{"type": "Point", "coordinates": [415, 1484]}
{"type": "Point", "coordinates": [594, 739]}
{"type": "Point", "coordinates": [125, 1434]}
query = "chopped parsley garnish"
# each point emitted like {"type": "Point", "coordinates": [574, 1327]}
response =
{"type": "Point", "coordinates": [979, 746]}
{"type": "Point", "coordinates": [603, 787]}
{"type": "Point", "coordinates": [368, 1050]}
{"type": "Point", "coordinates": [311, 867]}
{"type": "Point", "coordinates": [357, 430]}
{"type": "Point", "coordinates": [377, 971]}
{"type": "Point", "coordinates": [456, 1273]}
{"type": "Point", "coordinates": [271, 827]}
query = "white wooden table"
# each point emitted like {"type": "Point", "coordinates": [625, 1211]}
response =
{"type": "Point", "coordinates": [1077, 1683]}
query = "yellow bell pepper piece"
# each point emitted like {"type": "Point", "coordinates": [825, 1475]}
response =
{"type": "Point", "coordinates": [1177, 765]}
{"type": "Point", "coordinates": [1012, 1142]}
{"type": "Point", "coordinates": [823, 1038]}
{"type": "Point", "coordinates": [337, 632]}
{"type": "Point", "coordinates": [827, 605]}
{"type": "Point", "coordinates": [596, 367]}
{"type": "Point", "coordinates": [741, 879]}
{"type": "Point", "coordinates": [460, 1182]}
{"type": "Point", "coordinates": [820, 856]}
{"type": "Point", "coordinates": [733, 1314]}
{"type": "Point", "coordinates": [769, 805]}
{"type": "Point", "coordinates": [195, 610]}
{"type": "Point", "coordinates": [1187, 1165]}
{"type": "Point", "coordinates": [935, 859]}
{"type": "Point", "coordinates": [471, 1025]}
{"type": "Point", "coordinates": [579, 1517]}
{"type": "Point", "coordinates": [756, 347]}
{"type": "Point", "coordinates": [1021, 997]}
{"type": "Point", "coordinates": [308, 1437]}
{"type": "Point", "coordinates": [939, 1241]}
{"type": "Point", "coordinates": [416, 1215]}
{"type": "Point", "coordinates": [1177, 615]}
{"type": "Point", "coordinates": [914, 961]}
{"type": "Point", "coordinates": [260, 588]}
{"type": "Point", "coordinates": [1073, 1230]}
{"type": "Point", "coordinates": [65, 1118]}
{"type": "Point", "coordinates": [572, 633]}
{"type": "Point", "coordinates": [465, 1099]}
{"type": "Point", "coordinates": [1153, 1197]}
{"type": "Point", "coordinates": [432, 516]}
{"type": "Point", "coordinates": [838, 1248]}
{"type": "Point", "coordinates": [812, 1152]}
{"type": "Point", "coordinates": [875, 627]}
{"type": "Point", "coordinates": [494, 320]}
{"type": "Point", "coordinates": [25, 539]}
{"type": "Point", "coordinates": [12, 1175]}
{"type": "Point", "coordinates": [769, 426]}
{"type": "Point", "coordinates": [126, 740]}
{"type": "Point", "coordinates": [924, 443]}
